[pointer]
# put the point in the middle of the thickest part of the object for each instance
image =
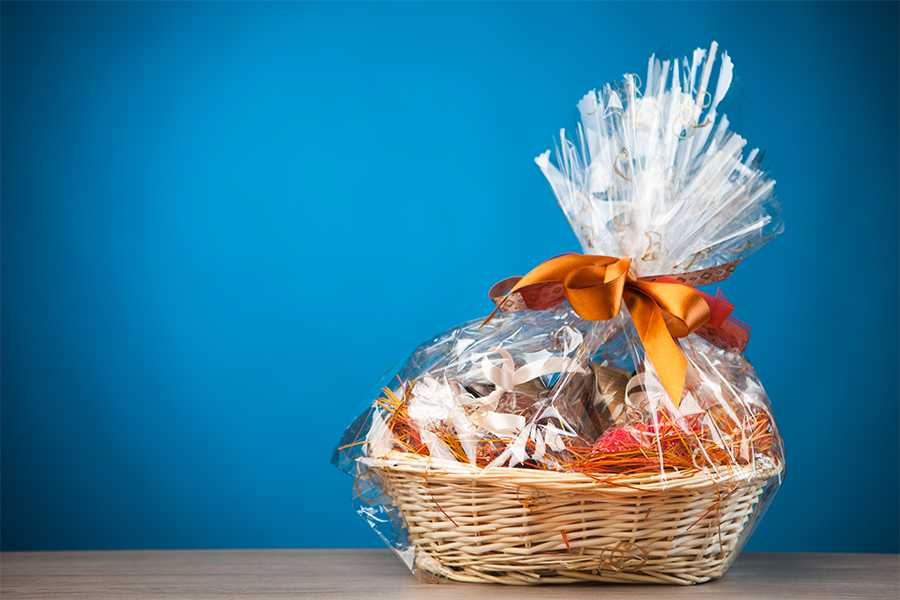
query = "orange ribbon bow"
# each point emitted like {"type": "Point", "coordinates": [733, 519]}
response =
{"type": "Point", "coordinates": [662, 311]}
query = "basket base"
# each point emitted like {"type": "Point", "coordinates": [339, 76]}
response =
{"type": "Point", "coordinates": [430, 571]}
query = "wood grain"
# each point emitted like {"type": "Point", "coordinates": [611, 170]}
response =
{"type": "Point", "coordinates": [377, 574]}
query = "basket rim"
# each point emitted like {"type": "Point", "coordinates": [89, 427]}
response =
{"type": "Point", "coordinates": [446, 471]}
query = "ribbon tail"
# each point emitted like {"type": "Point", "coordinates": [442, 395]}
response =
{"type": "Point", "coordinates": [661, 349]}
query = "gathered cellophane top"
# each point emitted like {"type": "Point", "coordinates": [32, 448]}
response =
{"type": "Point", "coordinates": [652, 174]}
{"type": "Point", "coordinates": [655, 174]}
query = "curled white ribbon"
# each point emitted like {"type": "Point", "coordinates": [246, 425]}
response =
{"type": "Point", "coordinates": [434, 401]}
{"type": "Point", "coordinates": [505, 377]}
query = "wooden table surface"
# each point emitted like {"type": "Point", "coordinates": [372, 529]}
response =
{"type": "Point", "coordinates": [377, 574]}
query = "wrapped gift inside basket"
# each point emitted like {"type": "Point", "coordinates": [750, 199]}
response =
{"type": "Point", "coordinates": [602, 423]}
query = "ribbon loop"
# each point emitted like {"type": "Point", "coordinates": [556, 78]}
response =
{"type": "Point", "coordinates": [597, 298]}
{"type": "Point", "coordinates": [595, 287]}
{"type": "Point", "coordinates": [682, 305]}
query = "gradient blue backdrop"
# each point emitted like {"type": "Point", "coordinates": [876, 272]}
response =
{"type": "Point", "coordinates": [182, 184]}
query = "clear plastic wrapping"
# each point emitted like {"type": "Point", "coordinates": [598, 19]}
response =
{"type": "Point", "coordinates": [653, 175]}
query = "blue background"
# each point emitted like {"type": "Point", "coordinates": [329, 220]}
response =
{"type": "Point", "coordinates": [184, 186]}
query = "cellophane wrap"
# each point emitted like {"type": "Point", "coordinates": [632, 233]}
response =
{"type": "Point", "coordinates": [652, 173]}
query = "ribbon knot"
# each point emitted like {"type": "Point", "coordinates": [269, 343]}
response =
{"type": "Point", "coordinates": [662, 311]}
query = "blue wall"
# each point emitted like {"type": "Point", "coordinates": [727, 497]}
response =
{"type": "Point", "coordinates": [183, 185]}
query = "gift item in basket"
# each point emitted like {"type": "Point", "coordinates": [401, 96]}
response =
{"type": "Point", "coordinates": [602, 424]}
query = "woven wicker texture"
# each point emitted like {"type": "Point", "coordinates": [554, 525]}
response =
{"type": "Point", "coordinates": [521, 526]}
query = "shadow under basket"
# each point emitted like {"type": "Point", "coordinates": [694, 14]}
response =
{"type": "Point", "coordinates": [527, 526]}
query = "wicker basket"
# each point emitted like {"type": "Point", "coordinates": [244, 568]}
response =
{"type": "Point", "coordinates": [523, 526]}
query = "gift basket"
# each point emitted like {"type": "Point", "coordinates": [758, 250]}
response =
{"type": "Point", "coordinates": [602, 423]}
